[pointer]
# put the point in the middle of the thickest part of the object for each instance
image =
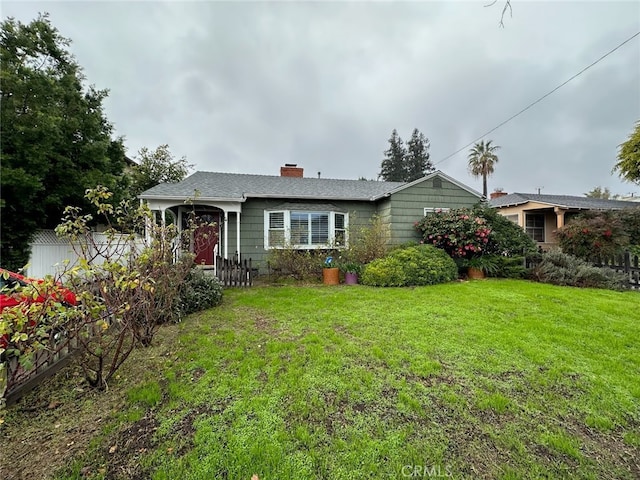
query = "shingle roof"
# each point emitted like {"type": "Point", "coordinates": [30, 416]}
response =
{"type": "Point", "coordinates": [240, 186]}
{"type": "Point", "coordinates": [566, 201]}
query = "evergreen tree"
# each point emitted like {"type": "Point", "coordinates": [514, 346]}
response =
{"type": "Point", "coordinates": [417, 163]}
{"type": "Point", "coordinates": [56, 141]}
{"type": "Point", "coordinates": [392, 167]}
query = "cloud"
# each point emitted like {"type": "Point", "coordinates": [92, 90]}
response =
{"type": "Point", "coordinates": [246, 87]}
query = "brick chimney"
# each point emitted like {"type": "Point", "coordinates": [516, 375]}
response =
{"type": "Point", "coordinates": [497, 194]}
{"type": "Point", "coordinates": [291, 170]}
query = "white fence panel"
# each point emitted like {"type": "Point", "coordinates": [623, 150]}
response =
{"type": "Point", "coordinates": [51, 255]}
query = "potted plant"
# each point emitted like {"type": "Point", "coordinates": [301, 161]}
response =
{"type": "Point", "coordinates": [478, 267]}
{"type": "Point", "coordinates": [351, 271]}
{"type": "Point", "coordinates": [330, 273]}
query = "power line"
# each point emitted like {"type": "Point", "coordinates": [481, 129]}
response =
{"type": "Point", "coordinates": [538, 100]}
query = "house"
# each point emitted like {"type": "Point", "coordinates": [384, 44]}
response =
{"type": "Point", "coordinates": [540, 215]}
{"type": "Point", "coordinates": [252, 214]}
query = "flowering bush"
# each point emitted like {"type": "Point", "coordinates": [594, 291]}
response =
{"type": "Point", "coordinates": [461, 233]}
{"type": "Point", "coordinates": [593, 234]}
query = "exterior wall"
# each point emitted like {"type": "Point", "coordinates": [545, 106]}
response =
{"type": "Point", "coordinates": [550, 220]}
{"type": "Point", "coordinates": [252, 224]}
{"type": "Point", "coordinates": [407, 206]}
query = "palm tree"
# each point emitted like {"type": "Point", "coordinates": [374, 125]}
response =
{"type": "Point", "coordinates": [482, 158]}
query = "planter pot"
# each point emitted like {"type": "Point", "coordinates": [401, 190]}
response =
{"type": "Point", "coordinates": [474, 273]}
{"type": "Point", "coordinates": [351, 278]}
{"type": "Point", "coordinates": [331, 276]}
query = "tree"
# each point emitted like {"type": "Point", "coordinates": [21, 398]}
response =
{"type": "Point", "coordinates": [416, 161]}
{"type": "Point", "coordinates": [482, 158]}
{"type": "Point", "coordinates": [406, 164]}
{"type": "Point", "coordinates": [56, 140]}
{"type": "Point", "coordinates": [628, 165]}
{"type": "Point", "coordinates": [155, 167]}
{"type": "Point", "coordinates": [599, 192]}
{"type": "Point", "coordinates": [392, 167]}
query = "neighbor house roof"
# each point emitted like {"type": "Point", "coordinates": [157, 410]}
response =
{"type": "Point", "coordinates": [565, 201]}
{"type": "Point", "coordinates": [238, 187]}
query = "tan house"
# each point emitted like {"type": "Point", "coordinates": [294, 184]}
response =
{"type": "Point", "coordinates": [541, 215]}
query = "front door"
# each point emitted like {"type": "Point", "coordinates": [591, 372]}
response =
{"type": "Point", "coordinates": [205, 238]}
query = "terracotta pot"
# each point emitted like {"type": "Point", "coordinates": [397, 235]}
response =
{"type": "Point", "coordinates": [351, 278]}
{"type": "Point", "coordinates": [475, 273]}
{"type": "Point", "coordinates": [331, 276]}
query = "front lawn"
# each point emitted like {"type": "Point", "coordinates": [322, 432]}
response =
{"type": "Point", "coordinates": [488, 379]}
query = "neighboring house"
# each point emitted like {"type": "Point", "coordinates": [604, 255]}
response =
{"type": "Point", "coordinates": [256, 213]}
{"type": "Point", "coordinates": [541, 215]}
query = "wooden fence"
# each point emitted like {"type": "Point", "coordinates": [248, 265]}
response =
{"type": "Point", "coordinates": [16, 380]}
{"type": "Point", "coordinates": [234, 272]}
{"type": "Point", "coordinates": [625, 263]}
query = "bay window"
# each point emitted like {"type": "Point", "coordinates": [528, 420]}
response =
{"type": "Point", "coordinates": [305, 229]}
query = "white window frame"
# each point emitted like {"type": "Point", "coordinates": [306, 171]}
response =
{"type": "Point", "coordinates": [308, 246]}
{"type": "Point", "coordinates": [428, 210]}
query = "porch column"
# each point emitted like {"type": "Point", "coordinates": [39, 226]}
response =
{"type": "Point", "coordinates": [238, 233]}
{"type": "Point", "coordinates": [226, 235]}
{"type": "Point", "coordinates": [559, 216]}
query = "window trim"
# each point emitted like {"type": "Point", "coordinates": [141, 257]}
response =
{"type": "Point", "coordinates": [309, 245]}
{"type": "Point", "coordinates": [428, 210]}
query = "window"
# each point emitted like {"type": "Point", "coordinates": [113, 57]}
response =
{"type": "Point", "coordinates": [340, 231]}
{"type": "Point", "coordinates": [514, 218]}
{"type": "Point", "coordinates": [429, 210]}
{"type": "Point", "coordinates": [276, 229]}
{"type": "Point", "coordinates": [534, 226]}
{"type": "Point", "coordinates": [305, 229]}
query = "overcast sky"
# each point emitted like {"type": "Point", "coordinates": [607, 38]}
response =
{"type": "Point", "coordinates": [246, 87]}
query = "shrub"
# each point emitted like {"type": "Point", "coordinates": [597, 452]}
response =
{"type": "Point", "coordinates": [299, 264]}
{"type": "Point", "coordinates": [416, 265]}
{"type": "Point", "coordinates": [366, 242]}
{"type": "Point", "coordinates": [562, 269]}
{"type": "Point", "coordinates": [478, 234]}
{"type": "Point", "coordinates": [460, 233]}
{"type": "Point", "coordinates": [200, 291]}
{"type": "Point", "coordinates": [509, 239]}
{"type": "Point", "coordinates": [594, 234]}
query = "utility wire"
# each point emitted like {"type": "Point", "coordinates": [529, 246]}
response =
{"type": "Point", "coordinates": [538, 100]}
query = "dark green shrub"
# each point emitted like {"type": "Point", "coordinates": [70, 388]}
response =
{"type": "Point", "coordinates": [200, 291]}
{"type": "Point", "coordinates": [562, 269]}
{"type": "Point", "coordinates": [509, 238]}
{"type": "Point", "coordinates": [416, 265]}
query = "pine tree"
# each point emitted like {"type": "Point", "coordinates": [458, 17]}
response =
{"type": "Point", "coordinates": [392, 167]}
{"type": "Point", "coordinates": [417, 164]}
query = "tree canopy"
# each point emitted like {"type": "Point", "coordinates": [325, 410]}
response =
{"type": "Point", "coordinates": [56, 140]}
{"type": "Point", "coordinates": [155, 167]}
{"type": "Point", "coordinates": [482, 159]}
{"type": "Point", "coordinates": [628, 165]}
{"type": "Point", "coordinates": [406, 163]}
{"type": "Point", "coordinates": [599, 192]}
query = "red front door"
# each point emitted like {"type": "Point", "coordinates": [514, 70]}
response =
{"type": "Point", "coordinates": [205, 238]}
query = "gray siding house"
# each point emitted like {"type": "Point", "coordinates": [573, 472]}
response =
{"type": "Point", "coordinates": [253, 214]}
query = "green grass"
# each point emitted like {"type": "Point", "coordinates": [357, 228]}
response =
{"type": "Point", "coordinates": [489, 379]}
